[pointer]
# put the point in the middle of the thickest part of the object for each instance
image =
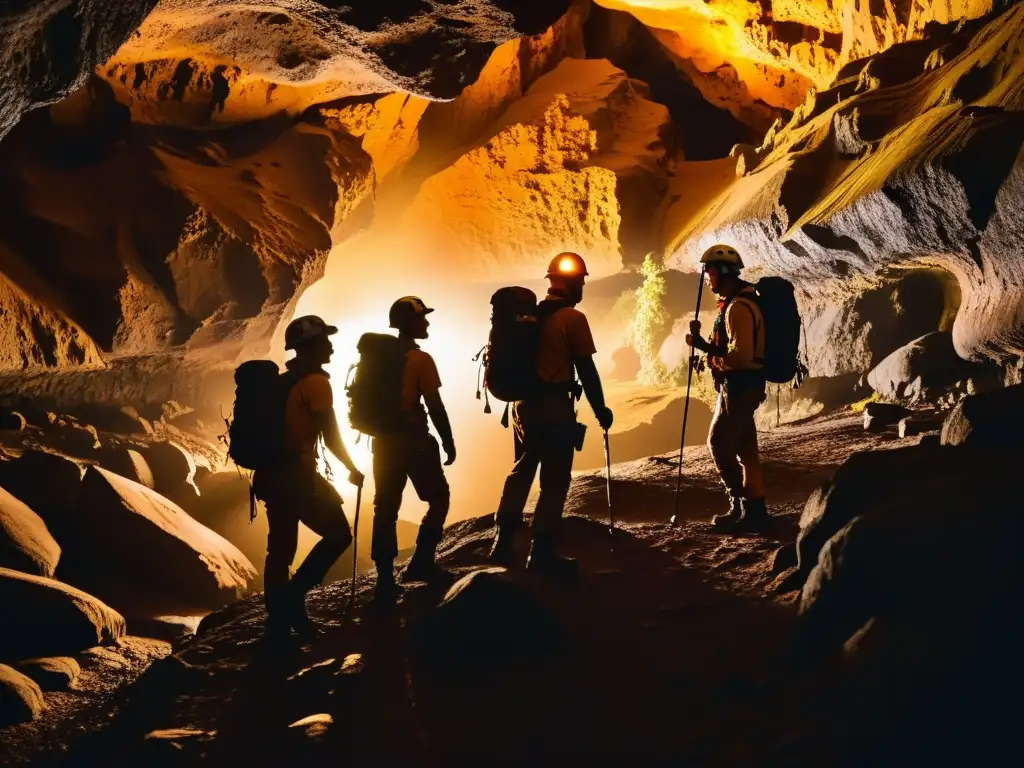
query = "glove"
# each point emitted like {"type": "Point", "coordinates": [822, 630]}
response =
{"type": "Point", "coordinates": [605, 417]}
{"type": "Point", "coordinates": [356, 478]}
{"type": "Point", "coordinates": [449, 450]}
{"type": "Point", "coordinates": [695, 327]}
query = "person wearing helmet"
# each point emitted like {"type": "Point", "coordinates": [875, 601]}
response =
{"type": "Point", "coordinates": [545, 427]}
{"type": "Point", "coordinates": [412, 454]}
{"type": "Point", "coordinates": [294, 491]}
{"type": "Point", "coordinates": [736, 359]}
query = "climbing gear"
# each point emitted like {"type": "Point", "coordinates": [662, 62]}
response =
{"type": "Point", "coordinates": [608, 488]}
{"type": "Point", "coordinates": [405, 309]}
{"type": "Point", "coordinates": [686, 404]}
{"type": "Point", "coordinates": [502, 550]}
{"type": "Point", "coordinates": [306, 328]}
{"type": "Point", "coordinates": [728, 521]}
{"type": "Point", "coordinates": [509, 359]}
{"type": "Point", "coordinates": [375, 389]}
{"type": "Point", "coordinates": [567, 264]}
{"type": "Point", "coordinates": [355, 543]}
{"type": "Point", "coordinates": [722, 254]}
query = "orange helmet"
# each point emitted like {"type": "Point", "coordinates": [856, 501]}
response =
{"type": "Point", "coordinates": [567, 265]}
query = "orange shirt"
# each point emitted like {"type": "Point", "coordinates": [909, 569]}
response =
{"type": "Point", "coordinates": [566, 336]}
{"type": "Point", "coordinates": [419, 378]}
{"type": "Point", "coordinates": [310, 396]}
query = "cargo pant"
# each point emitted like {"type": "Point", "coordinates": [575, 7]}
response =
{"type": "Point", "coordinates": [733, 440]}
{"type": "Point", "coordinates": [297, 493]}
{"type": "Point", "coordinates": [411, 455]}
{"type": "Point", "coordinates": [544, 435]}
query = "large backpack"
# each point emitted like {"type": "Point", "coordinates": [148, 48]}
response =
{"type": "Point", "coordinates": [510, 357]}
{"type": "Point", "coordinates": [782, 324]}
{"type": "Point", "coordinates": [375, 389]}
{"type": "Point", "coordinates": [256, 432]}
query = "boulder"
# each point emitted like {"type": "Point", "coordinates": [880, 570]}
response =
{"type": "Point", "coordinates": [25, 542]}
{"type": "Point", "coordinates": [147, 556]}
{"type": "Point", "coordinates": [49, 484]}
{"type": "Point", "coordinates": [923, 538]}
{"type": "Point", "coordinates": [990, 420]}
{"type": "Point", "coordinates": [172, 469]}
{"type": "Point", "coordinates": [879, 416]}
{"type": "Point", "coordinates": [56, 673]}
{"type": "Point", "coordinates": [927, 364]}
{"type": "Point", "coordinates": [918, 423]}
{"type": "Point", "coordinates": [42, 617]}
{"type": "Point", "coordinates": [128, 462]}
{"type": "Point", "coordinates": [491, 616]}
{"type": "Point", "coordinates": [20, 698]}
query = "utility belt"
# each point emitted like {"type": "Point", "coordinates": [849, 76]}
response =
{"type": "Point", "coordinates": [572, 391]}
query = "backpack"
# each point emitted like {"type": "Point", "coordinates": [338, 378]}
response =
{"type": "Point", "coordinates": [781, 317]}
{"type": "Point", "coordinates": [256, 432]}
{"type": "Point", "coordinates": [510, 357]}
{"type": "Point", "coordinates": [375, 391]}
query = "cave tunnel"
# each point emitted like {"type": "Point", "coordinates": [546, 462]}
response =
{"type": "Point", "coordinates": [183, 179]}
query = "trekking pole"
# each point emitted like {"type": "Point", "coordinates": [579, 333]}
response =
{"type": "Point", "coordinates": [686, 405]}
{"type": "Point", "coordinates": [608, 486]}
{"type": "Point", "coordinates": [355, 543]}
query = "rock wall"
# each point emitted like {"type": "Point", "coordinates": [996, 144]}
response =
{"type": "Point", "coordinates": [910, 160]}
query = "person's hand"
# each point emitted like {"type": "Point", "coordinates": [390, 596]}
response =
{"type": "Point", "coordinates": [689, 339]}
{"type": "Point", "coordinates": [605, 418]}
{"type": "Point", "coordinates": [695, 327]}
{"type": "Point", "coordinates": [356, 478]}
{"type": "Point", "coordinates": [449, 451]}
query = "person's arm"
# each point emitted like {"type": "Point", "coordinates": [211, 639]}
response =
{"type": "Point", "coordinates": [695, 340]}
{"type": "Point", "coordinates": [428, 383]}
{"type": "Point", "coordinates": [439, 415]}
{"type": "Point", "coordinates": [327, 422]}
{"type": "Point", "coordinates": [591, 380]}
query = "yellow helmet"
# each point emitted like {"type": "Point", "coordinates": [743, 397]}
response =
{"type": "Point", "coordinates": [722, 254]}
{"type": "Point", "coordinates": [567, 265]}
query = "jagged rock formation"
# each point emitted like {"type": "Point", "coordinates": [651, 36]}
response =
{"type": "Point", "coordinates": [769, 52]}
{"type": "Point", "coordinates": [909, 161]}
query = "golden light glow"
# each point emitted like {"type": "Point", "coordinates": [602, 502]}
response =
{"type": "Point", "coordinates": [567, 265]}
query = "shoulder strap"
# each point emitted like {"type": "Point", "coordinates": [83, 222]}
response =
{"type": "Point", "coordinates": [547, 308]}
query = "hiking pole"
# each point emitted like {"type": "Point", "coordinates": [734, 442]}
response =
{"type": "Point", "coordinates": [608, 486]}
{"type": "Point", "coordinates": [686, 405]}
{"type": "Point", "coordinates": [355, 543]}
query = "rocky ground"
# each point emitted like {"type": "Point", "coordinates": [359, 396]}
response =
{"type": "Point", "coordinates": [666, 649]}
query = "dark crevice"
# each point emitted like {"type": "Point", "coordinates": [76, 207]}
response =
{"type": "Point", "coordinates": [707, 132]}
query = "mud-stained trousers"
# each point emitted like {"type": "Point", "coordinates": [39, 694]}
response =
{"type": "Point", "coordinates": [411, 455]}
{"type": "Point", "coordinates": [544, 434]}
{"type": "Point", "coordinates": [733, 440]}
{"type": "Point", "coordinates": [297, 493]}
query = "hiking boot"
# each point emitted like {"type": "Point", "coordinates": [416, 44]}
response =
{"type": "Point", "coordinates": [730, 519]}
{"type": "Point", "coordinates": [546, 561]}
{"type": "Point", "coordinates": [304, 627]}
{"type": "Point", "coordinates": [755, 516]}
{"type": "Point", "coordinates": [502, 550]}
{"type": "Point", "coordinates": [387, 591]}
{"type": "Point", "coordinates": [426, 569]}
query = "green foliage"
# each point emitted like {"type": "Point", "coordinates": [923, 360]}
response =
{"type": "Point", "coordinates": [649, 322]}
